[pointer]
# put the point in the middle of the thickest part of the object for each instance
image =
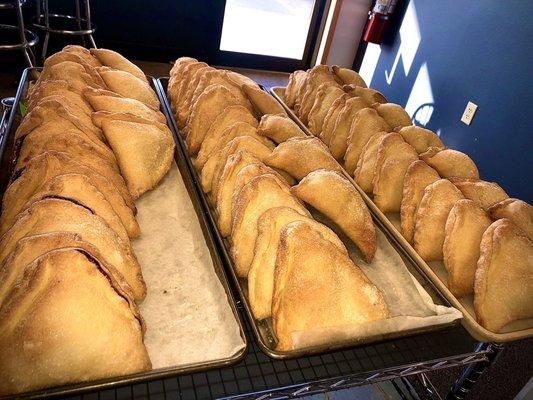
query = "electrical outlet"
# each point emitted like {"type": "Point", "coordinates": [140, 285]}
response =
{"type": "Point", "coordinates": [469, 112]}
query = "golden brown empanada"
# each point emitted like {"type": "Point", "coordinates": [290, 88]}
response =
{"type": "Point", "coordinates": [318, 75]}
{"type": "Point", "coordinates": [58, 88]}
{"type": "Point", "coordinates": [300, 156]}
{"type": "Point", "coordinates": [278, 128]}
{"type": "Point", "coordinates": [42, 168]}
{"type": "Point", "coordinates": [52, 215]}
{"type": "Point", "coordinates": [129, 85]}
{"type": "Point", "coordinates": [484, 193]}
{"type": "Point", "coordinates": [263, 102]}
{"type": "Point", "coordinates": [261, 274]}
{"type": "Point", "coordinates": [328, 126]}
{"type": "Point", "coordinates": [430, 219]}
{"type": "Point", "coordinates": [257, 196]}
{"type": "Point", "coordinates": [421, 139]}
{"type": "Point", "coordinates": [393, 158]}
{"type": "Point", "coordinates": [366, 165]}
{"type": "Point", "coordinates": [114, 60]}
{"type": "Point", "coordinates": [326, 95]}
{"type": "Point", "coordinates": [79, 325]}
{"type": "Point", "coordinates": [450, 163]}
{"type": "Point", "coordinates": [348, 77]}
{"type": "Point", "coordinates": [370, 96]}
{"type": "Point", "coordinates": [333, 195]}
{"type": "Point", "coordinates": [393, 114]}
{"type": "Point", "coordinates": [503, 288]}
{"type": "Point", "coordinates": [296, 79]}
{"type": "Point", "coordinates": [339, 137]}
{"type": "Point", "coordinates": [517, 211]}
{"type": "Point", "coordinates": [318, 286]}
{"type": "Point", "coordinates": [83, 53]}
{"type": "Point", "coordinates": [144, 150]}
{"type": "Point", "coordinates": [417, 177]}
{"type": "Point", "coordinates": [180, 108]}
{"type": "Point", "coordinates": [464, 228]}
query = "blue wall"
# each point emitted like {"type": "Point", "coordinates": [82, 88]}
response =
{"type": "Point", "coordinates": [479, 51]}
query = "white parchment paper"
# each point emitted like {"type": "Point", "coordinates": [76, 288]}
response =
{"type": "Point", "coordinates": [410, 306]}
{"type": "Point", "coordinates": [187, 313]}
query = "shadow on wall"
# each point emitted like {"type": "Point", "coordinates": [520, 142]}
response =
{"type": "Point", "coordinates": [444, 55]}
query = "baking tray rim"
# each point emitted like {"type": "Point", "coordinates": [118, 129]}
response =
{"type": "Point", "coordinates": [218, 266]}
{"type": "Point", "coordinates": [468, 320]}
{"type": "Point", "coordinates": [309, 351]}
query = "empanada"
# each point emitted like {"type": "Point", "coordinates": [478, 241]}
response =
{"type": "Point", "coordinates": [393, 114]}
{"type": "Point", "coordinates": [318, 286]}
{"type": "Point", "coordinates": [105, 100]}
{"type": "Point", "coordinates": [185, 105]}
{"type": "Point", "coordinates": [334, 196]}
{"type": "Point", "coordinates": [129, 85]}
{"type": "Point", "coordinates": [144, 150]}
{"type": "Point", "coordinates": [42, 168]}
{"type": "Point", "coordinates": [450, 163]}
{"type": "Point", "coordinates": [178, 107]}
{"type": "Point", "coordinates": [484, 193]}
{"type": "Point", "coordinates": [328, 126]}
{"type": "Point", "coordinates": [83, 53]}
{"type": "Point", "coordinates": [204, 112]}
{"type": "Point", "coordinates": [348, 77]}
{"type": "Point", "coordinates": [53, 215]}
{"type": "Point", "coordinates": [261, 274]}
{"type": "Point", "coordinates": [517, 211]}
{"type": "Point", "coordinates": [421, 139]}
{"type": "Point", "coordinates": [464, 228]}
{"type": "Point", "coordinates": [235, 163]}
{"type": "Point", "coordinates": [365, 124]}
{"type": "Point", "coordinates": [214, 166]}
{"type": "Point", "coordinates": [339, 137]}
{"type": "Point", "coordinates": [300, 156]}
{"type": "Point", "coordinates": [393, 158]}
{"type": "Point", "coordinates": [370, 96]}
{"type": "Point", "coordinates": [58, 88]}
{"type": "Point", "coordinates": [326, 95]}
{"type": "Point", "coordinates": [296, 80]}
{"type": "Point", "coordinates": [231, 132]}
{"type": "Point", "coordinates": [74, 187]}
{"type": "Point", "coordinates": [503, 288]}
{"type": "Point", "coordinates": [263, 102]}
{"type": "Point", "coordinates": [77, 75]}
{"type": "Point", "coordinates": [114, 60]}
{"type": "Point", "coordinates": [68, 322]}
{"type": "Point", "coordinates": [366, 165]}
{"type": "Point", "coordinates": [430, 219]}
{"type": "Point", "coordinates": [318, 75]}
{"type": "Point", "coordinates": [417, 177]}
{"type": "Point", "coordinates": [257, 196]}
{"type": "Point", "coordinates": [278, 128]}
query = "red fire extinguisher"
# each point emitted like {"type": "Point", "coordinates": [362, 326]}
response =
{"type": "Point", "coordinates": [378, 20]}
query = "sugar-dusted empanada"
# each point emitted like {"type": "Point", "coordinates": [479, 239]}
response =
{"type": "Point", "coordinates": [59, 88]}
{"type": "Point", "coordinates": [338, 141]}
{"type": "Point", "coordinates": [296, 80]}
{"type": "Point", "coordinates": [484, 193]}
{"type": "Point", "coordinates": [450, 163]}
{"type": "Point", "coordinates": [278, 128]}
{"type": "Point", "coordinates": [318, 286]}
{"type": "Point", "coordinates": [464, 228]}
{"type": "Point", "coordinates": [333, 195]}
{"type": "Point", "coordinates": [318, 75]}
{"type": "Point", "coordinates": [348, 77]}
{"type": "Point", "coordinates": [393, 114]}
{"type": "Point", "coordinates": [517, 211]}
{"type": "Point", "coordinates": [261, 273]}
{"type": "Point", "coordinates": [430, 219]}
{"type": "Point", "coordinates": [366, 165]}
{"type": "Point", "coordinates": [417, 177]}
{"type": "Point", "coordinates": [257, 196]}
{"type": "Point", "coordinates": [263, 102]}
{"type": "Point", "coordinates": [503, 289]}
{"type": "Point", "coordinates": [421, 139]}
{"type": "Point", "coordinates": [83, 53]}
{"type": "Point", "coordinates": [370, 96]}
{"type": "Point", "coordinates": [393, 158]}
{"type": "Point", "coordinates": [326, 95]}
{"type": "Point", "coordinates": [300, 156]}
{"type": "Point", "coordinates": [366, 123]}
{"type": "Point", "coordinates": [328, 125]}
{"type": "Point", "coordinates": [114, 60]}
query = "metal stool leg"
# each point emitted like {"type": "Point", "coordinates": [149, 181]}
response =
{"type": "Point", "coordinates": [88, 22]}
{"type": "Point", "coordinates": [47, 33]}
{"type": "Point", "coordinates": [78, 21]}
{"type": "Point", "coordinates": [20, 19]}
{"type": "Point", "coordinates": [470, 374]}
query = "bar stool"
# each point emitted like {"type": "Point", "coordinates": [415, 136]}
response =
{"type": "Point", "coordinates": [28, 39]}
{"type": "Point", "coordinates": [85, 27]}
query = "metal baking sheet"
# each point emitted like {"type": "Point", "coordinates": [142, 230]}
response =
{"type": "Point", "coordinates": [7, 154]}
{"type": "Point", "coordinates": [261, 329]}
{"type": "Point", "coordinates": [432, 271]}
